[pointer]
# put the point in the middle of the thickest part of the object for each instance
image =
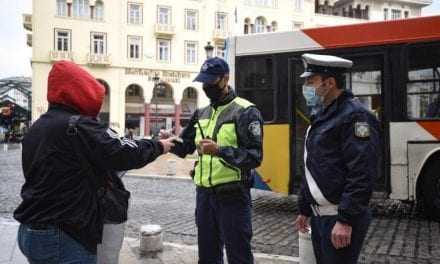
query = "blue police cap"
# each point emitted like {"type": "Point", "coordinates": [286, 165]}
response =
{"type": "Point", "coordinates": [211, 69]}
{"type": "Point", "coordinates": [324, 64]}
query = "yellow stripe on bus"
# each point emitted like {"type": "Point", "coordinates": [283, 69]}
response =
{"type": "Point", "coordinates": [275, 168]}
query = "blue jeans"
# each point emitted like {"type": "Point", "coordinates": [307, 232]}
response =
{"type": "Point", "coordinates": [325, 252]}
{"type": "Point", "coordinates": [224, 222]}
{"type": "Point", "coordinates": [52, 246]}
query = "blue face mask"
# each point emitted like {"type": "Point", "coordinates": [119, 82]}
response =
{"type": "Point", "coordinates": [309, 93]}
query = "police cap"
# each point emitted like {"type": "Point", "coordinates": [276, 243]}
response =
{"type": "Point", "coordinates": [324, 64]}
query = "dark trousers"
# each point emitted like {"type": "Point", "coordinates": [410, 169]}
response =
{"type": "Point", "coordinates": [224, 221]}
{"type": "Point", "coordinates": [325, 252]}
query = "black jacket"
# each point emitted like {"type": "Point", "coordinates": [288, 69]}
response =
{"type": "Point", "coordinates": [249, 153]}
{"type": "Point", "coordinates": [57, 189]}
{"type": "Point", "coordinates": [343, 163]}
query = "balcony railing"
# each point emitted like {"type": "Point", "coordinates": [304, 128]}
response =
{"type": "Point", "coordinates": [165, 29]}
{"type": "Point", "coordinates": [27, 21]}
{"type": "Point", "coordinates": [220, 34]}
{"type": "Point", "coordinates": [98, 59]}
{"type": "Point", "coordinates": [57, 55]}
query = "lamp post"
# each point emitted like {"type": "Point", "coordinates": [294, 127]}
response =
{"type": "Point", "coordinates": [157, 86]}
{"type": "Point", "coordinates": [209, 49]}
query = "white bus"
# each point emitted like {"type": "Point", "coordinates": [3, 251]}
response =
{"type": "Point", "coordinates": [396, 75]}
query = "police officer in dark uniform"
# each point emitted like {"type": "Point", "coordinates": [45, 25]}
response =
{"type": "Point", "coordinates": [341, 163]}
{"type": "Point", "coordinates": [228, 137]}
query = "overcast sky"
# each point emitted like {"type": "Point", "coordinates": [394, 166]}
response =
{"type": "Point", "coordinates": [14, 53]}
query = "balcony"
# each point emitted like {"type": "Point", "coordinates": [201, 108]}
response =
{"type": "Point", "coordinates": [29, 40]}
{"type": "Point", "coordinates": [165, 29]}
{"type": "Point", "coordinates": [27, 22]}
{"type": "Point", "coordinates": [220, 34]}
{"type": "Point", "coordinates": [57, 55]}
{"type": "Point", "coordinates": [98, 59]}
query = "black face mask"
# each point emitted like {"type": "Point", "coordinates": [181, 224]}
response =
{"type": "Point", "coordinates": [213, 91]}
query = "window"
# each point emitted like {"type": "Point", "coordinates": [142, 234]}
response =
{"type": "Point", "coordinates": [190, 52]}
{"type": "Point", "coordinates": [164, 50]}
{"type": "Point", "coordinates": [134, 47]}
{"type": "Point", "coordinates": [366, 86]}
{"type": "Point", "coordinates": [81, 8]}
{"type": "Point", "coordinates": [133, 90]}
{"type": "Point", "coordinates": [134, 13]}
{"type": "Point", "coordinates": [298, 5]}
{"type": "Point", "coordinates": [423, 86]}
{"type": "Point", "coordinates": [297, 25]}
{"type": "Point", "coordinates": [62, 40]}
{"type": "Point", "coordinates": [98, 43]}
{"type": "Point", "coordinates": [260, 25]}
{"type": "Point", "coordinates": [191, 20]}
{"type": "Point", "coordinates": [220, 51]}
{"type": "Point", "coordinates": [99, 10]}
{"type": "Point", "coordinates": [266, 3]}
{"type": "Point", "coordinates": [406, 14]}
{"type": "Point", "coordinates": [221, 21]}
{"type": "Point", "coordinates": [396, 14]}
{"type": "Point", "coordinates": [164, 15]}
{"type": "Point", "coordinates": [61, 8]}
{"type": "Point", "coordinates": [254, 82]}
{"type": "Point", "coordinates": [385, 14]}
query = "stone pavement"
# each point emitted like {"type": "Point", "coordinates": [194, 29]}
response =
{"type": "Point", "coordinates": [172, 254]}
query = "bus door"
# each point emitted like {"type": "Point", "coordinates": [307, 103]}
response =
{"type": "Point", "coordinates": [300, 120]}
{"type": "Point", "coordinates": [366, 81]}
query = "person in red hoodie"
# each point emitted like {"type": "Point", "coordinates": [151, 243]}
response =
{"type": "Point", "coordinates": [61, 214]}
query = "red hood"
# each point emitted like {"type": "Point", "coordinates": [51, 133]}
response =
{"type": "Point", "coordinates": [70, 85]}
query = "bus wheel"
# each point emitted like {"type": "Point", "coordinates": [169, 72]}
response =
{"type": "Point", "coordinates": [430, 191]}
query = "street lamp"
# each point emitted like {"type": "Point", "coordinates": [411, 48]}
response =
{"type": "Point", "coordinates": [209, 50]}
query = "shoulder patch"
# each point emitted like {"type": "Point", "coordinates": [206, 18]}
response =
{"type": "Point", "coordinates": [362, 129]}
{"type": "Point", "coordinates": [255, 128]}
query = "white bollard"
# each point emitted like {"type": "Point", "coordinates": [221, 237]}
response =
{"type": "Point", "coordinates": [5, 147]}
{"type": "Point", "coordinates": [306, 253]}
{"type": "Point", "coordinates": [151, 240]}
{"type": "Point", "coordinates": [171, 167]}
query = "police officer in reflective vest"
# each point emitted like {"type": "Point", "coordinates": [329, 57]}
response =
{"type": "Point", "coordinates": [228, 137]}
{"type": "Point", "coordinates": [341, 163]}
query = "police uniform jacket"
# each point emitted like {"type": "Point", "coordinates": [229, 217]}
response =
{"type": "Point", "coordinates": [342, 157]}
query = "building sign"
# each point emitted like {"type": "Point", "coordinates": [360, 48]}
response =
{"type": "Point", "coordinates": [165, 76]}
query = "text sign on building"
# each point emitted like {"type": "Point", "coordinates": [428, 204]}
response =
{"type": "Point", "coordinates": [165, 76]}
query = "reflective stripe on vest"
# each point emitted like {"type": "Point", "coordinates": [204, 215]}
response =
{"type": "Point", "coordinates": [219, 125]}
{"type": "Point", "coordinates": [313, 186]}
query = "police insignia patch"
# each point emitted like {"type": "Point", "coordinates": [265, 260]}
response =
{"type": "Point", "coordinates": [361, 129]}
{"type": "Point", "coordinates": [255, 128]}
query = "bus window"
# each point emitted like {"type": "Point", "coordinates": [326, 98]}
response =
{"type": "Point", "coordinates": [254, 82]}
{"type": "Point", "coordinates": [366, 86]}
{"type": "Point", "coordinates": [423, 84]}
{"type": "Point", "coordinates": [423, 93]}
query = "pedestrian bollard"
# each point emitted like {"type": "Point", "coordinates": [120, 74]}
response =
{"type": "Point", "coordinates": [306, 254]}
{"type": "Point", "coordinates": [151, 241]}
{"type": "Point", "coordinates": [5, 147]}
{"type": "Point", "coordinates": [171, 167]}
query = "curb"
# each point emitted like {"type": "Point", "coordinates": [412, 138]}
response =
{"type": "Point", "coordinates": [158, 177]}
{"type": "Point", "coordinates": [192, 250]}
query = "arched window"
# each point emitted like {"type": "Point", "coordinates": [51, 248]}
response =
{"type": "Point", "coordinates": [260, 24]}
{"type": "Point", "coordinates": [247, 23]}
{"type": "Point", "coordinates": [81, 8]}
{"type": "Point", "coordinates": [61, 8]}
{"type": "Point", "coordinates": [99, 10]}
{"type": "Point", "coordinates": [133, 90]}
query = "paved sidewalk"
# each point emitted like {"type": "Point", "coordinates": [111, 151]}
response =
{"type": "Point", "coordinates": [172, 254]}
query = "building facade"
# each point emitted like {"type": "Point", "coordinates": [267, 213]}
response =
{"type": "Point", "coordinates": [147, 52]}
